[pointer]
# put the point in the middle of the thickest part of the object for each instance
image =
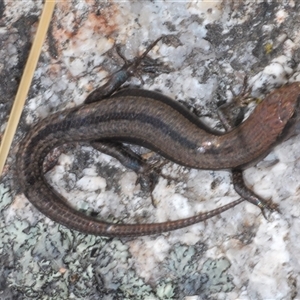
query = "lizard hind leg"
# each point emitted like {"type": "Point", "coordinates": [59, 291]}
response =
{"type": "Point", "coordinates": [130, 68]}
{"type": "Point", "coordinates": [147, 174]}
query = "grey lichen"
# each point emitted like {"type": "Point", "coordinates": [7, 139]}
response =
{"type": "Point", "coordinates": [166, 290]}
{"type": "Point", "coordinates": [218, 279]}
{"type": "Point", "coordinates": [47, 260]}
{"type": "Point", "coordinates": [180, 259]}
{"type": "Point", "coordinates": [189, 278]}
{"type": "Point", "coordinates": [5, 197]}
{"type": "Point", "coordinates": [116, 274]}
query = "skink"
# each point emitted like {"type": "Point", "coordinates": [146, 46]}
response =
{"type": "Point", "coordinates": [157, 122]}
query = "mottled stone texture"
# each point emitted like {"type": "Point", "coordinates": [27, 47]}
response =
{"type": "Point", "coordinates": [209, 48]}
